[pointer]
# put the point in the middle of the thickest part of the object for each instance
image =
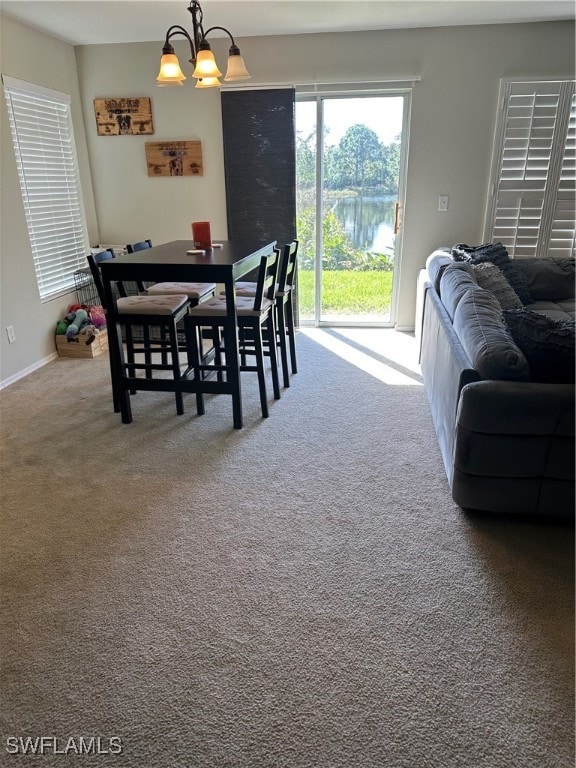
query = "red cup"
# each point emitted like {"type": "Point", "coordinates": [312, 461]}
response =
{"type": "Point", "coordinates": [201, 234]}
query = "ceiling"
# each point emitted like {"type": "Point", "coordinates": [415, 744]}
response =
{"type": "Point", "coordinates": [85, 22]}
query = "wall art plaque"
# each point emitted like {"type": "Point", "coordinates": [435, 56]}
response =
{"type": "Point", "coordinates": [123, 117]}
{"type": "Point", "coordinates": [174, 158]}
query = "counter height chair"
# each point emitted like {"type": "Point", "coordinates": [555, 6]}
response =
{"type": "Point", "coordinates": [141, 245]}
{"type": "Point", "coordinates": [253, 313]}
{"type": "Point", "coordinates": [283, 307]}
{"type": "Point", "coordinates": [161, 312]}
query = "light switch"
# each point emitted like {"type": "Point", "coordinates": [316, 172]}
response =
{"type": "Point", "coordinates": [443, 203]}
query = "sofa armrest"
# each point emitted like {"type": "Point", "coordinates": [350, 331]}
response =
{"type": "Point", "coordinates": [517, 407]}
{"type": "Point", "coordinates": [446, 369]}
{"type": "Point", "coordinates": [514, 448]}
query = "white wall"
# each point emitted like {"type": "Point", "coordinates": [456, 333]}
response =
{"type": "Point", "coordinates": [452, 125]}
{"type": "Point", "coordinates": [130, 205]}
{"type": "Point", "coordinates": [38, 58]}
{"type": "Point", "coordinates": [453, 117]}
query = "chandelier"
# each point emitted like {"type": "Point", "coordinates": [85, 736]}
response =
{"type": "Point", "coordinates": [206, 70]}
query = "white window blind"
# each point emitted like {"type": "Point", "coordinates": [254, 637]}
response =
{"type": "Point", "coordinates": [43, 139]}
{"type": "Point", "coordinates": [532, 209]}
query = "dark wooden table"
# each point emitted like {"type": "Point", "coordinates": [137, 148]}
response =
{"type": "Point", "coordinates": [170, 262]}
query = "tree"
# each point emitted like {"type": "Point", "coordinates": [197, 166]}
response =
{"type": "Point", "coordinates": [305, 160]}
{"type": "Point", "coordinates": [392, 166]}
{"type": "Point", "coordinates": [358, 160]}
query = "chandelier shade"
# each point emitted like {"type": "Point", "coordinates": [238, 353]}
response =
{"type": "Point", "coordinates": [206, 63]}
{"type": "Point", "coordinates": [207, 82]}
{"type": "Point", "coordinates": [170, 72]}
{"type": "Point", "coordinates": [236, 67]}
{"type": "Point", "coordinates": [206, 70]}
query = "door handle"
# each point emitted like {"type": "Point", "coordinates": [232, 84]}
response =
{"type": "Point", "coordinates": [397, 217]}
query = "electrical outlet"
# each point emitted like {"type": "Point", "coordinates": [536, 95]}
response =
{"type": "Point", "coordinates": [10, 333]}
{"type": "Point", "coordinates": [443, 203]}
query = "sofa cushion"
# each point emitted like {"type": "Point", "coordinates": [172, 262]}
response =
{"type": "Point", "coordinates": [547, 344]}
{"type": "Point", "coordinates": [436, 263]}
{"type": "Point", "coordinates": [555, 310]}
{"type": "Point", "coordinates": [491, 278]}
{"type": "Point", "coordinates": [480, 326]}
{"type": "Point", "coordinates": [497, 254]}
{"type": "Point", "coordinates": [455, 281]}
{"type": "Point", "coordinates": [549, 278]}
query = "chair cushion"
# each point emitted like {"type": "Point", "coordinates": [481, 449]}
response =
{"type": "Point", "coordinates": [151, 305]}
{"type": "Point", "coordinates": [246, 288]}
{"type": "Point", "coordinates": [245, 285]}
{"type": "Point", "coordinates": [216, 307]}
{"type": "Point", "coordinates": [192, 290]}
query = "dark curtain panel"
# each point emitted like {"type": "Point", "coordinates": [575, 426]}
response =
{"type": "Point", "coordinates": [260, 164]}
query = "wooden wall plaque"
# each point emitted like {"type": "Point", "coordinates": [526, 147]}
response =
{"type": "Point", "coordinates": [174, 158]}
{"type": "Point", "coordinates": [123, 117]}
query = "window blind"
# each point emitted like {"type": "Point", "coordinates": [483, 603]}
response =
{"type": "Point", "coordinates": [259, 163]}
{"type": "Point", "coordinates": [43, 139]}
{"type": "Point", "coordinates": [533, 176]}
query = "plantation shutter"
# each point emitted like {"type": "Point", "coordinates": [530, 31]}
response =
{"type": "Point", "coordinates": [43, 139]}
{"type": "Point", "coordinates": [532, 207]}
{"type": "Point", "coordinates": [563, 227]}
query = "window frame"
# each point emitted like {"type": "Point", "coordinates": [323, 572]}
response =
{"type": "Point", "coordinates": [42, 134]}
{"type": "Point", "coordinates": [544, 203]}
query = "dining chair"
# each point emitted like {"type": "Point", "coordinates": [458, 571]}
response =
{"type": "Point", "coordinates": [255, 315]}
{"type": "Point", "coordinates": [196, 292]}
{"type": "Point", "coordinates": [141, 245]}
{"type": "Point", "coordinates": [161, 313]}
{"type": "Point", "coordinates": [284, 308]}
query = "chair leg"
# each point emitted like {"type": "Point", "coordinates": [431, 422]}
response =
{"type": "Point", "coordinates": [282, 339]}
{"type": "Point", "coordinates": [194, 346]}
{"type": "Point", "coordinates": [147, 351]}
{"type": "Point", "coordinates": [173, 336]}
{"type": "Point", "coordinates": [271, 332]}
{"type": "Point", "coordinates": [130, 355]}
{"type": "Point", "coordinates": [219, 341]}
{"type": "Point", "coordinates": [291, 332]}
{"type": "Point", "coordinates": [259, 353]}
{"type": "Point", "coordinates": [242, 343]}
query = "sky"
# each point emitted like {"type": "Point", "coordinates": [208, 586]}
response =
{"type": "Point", "coordinates": [381, 114]}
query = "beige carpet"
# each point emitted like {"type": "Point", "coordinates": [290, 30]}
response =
{"type": "Point", "coordinates": [302, 593]}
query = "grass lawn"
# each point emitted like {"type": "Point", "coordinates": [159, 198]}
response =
{"type": "Point", "coordinates": [346, 293]}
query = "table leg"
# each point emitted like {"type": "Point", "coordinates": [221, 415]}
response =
{"type": "Point", "coordinates": [120, 395]}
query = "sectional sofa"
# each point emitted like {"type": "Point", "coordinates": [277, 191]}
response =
{"type": "Point", "coordinates": [497, 358]}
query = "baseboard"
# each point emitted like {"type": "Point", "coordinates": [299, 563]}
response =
{"type": "Point", "coordinates": [27, 371]}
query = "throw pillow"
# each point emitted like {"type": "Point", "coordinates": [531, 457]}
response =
{"type": "Point", "coordinates": [547, 344]}
{"type": "Point", "coordinates": [550, 278]}
{"type": "Point", "coordinates": [490, 348]}
{"type": "Point", "coordinates": [497, 254]}
{"type": "Point", "coordinates": [491, 278]}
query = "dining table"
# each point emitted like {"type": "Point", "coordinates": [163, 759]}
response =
{"type": "Point", "coordinates": [173, 262]}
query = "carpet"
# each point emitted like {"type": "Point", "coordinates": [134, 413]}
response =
{"type": "Point", "coordinates": [299, 593]}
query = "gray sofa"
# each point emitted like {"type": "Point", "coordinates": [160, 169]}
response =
{"type": "Point", "coordinates": [502, 406]}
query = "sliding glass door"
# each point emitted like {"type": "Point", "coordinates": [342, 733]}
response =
{"type": "Point", "coordinates": [350, 159]}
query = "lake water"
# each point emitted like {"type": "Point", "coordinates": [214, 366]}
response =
{"type": "Point", "coordinates": [368, 221]}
